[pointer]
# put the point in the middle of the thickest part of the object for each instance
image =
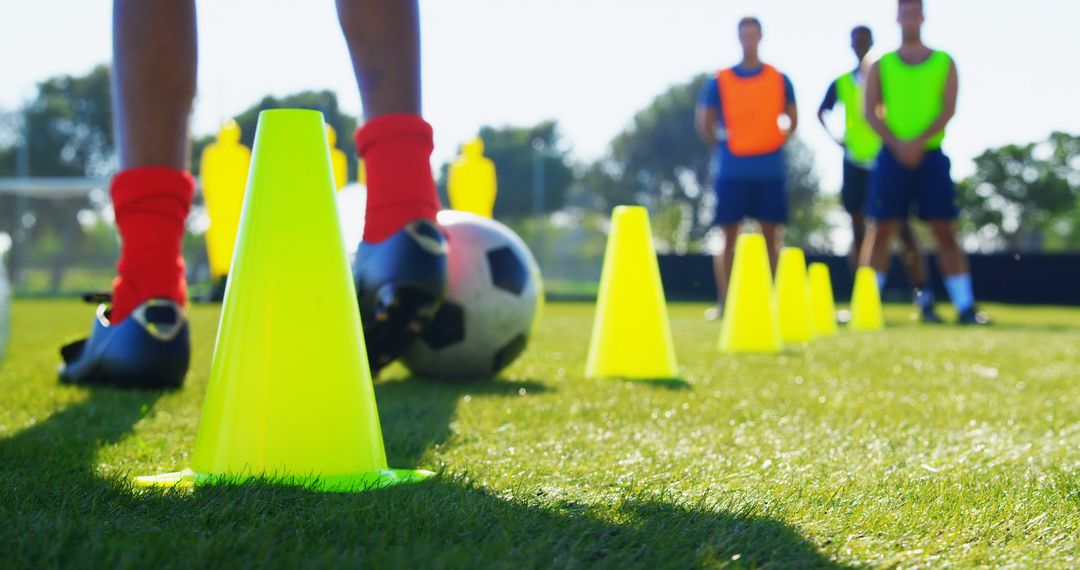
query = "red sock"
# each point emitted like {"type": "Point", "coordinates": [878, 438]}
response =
{"type": "Point", "coordinates": [397, 153]}
{"type": "Point", "coordinates": [151, 205]}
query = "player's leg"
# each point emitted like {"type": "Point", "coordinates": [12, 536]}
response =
{"type": "Point", "coordinates": [151, 196]}
{"type": "Point", "coordinates": [731, 208]}
{"type": "Point", "coordinates": [727, 256]}
{"type": "Point", "coordinates": [937, 205]}
{"type": "Point", "coordinates": [722, 265]}
{"type": "Point", "coordinates": [915, 267]}
{"type": "Point", "coordinates": [858, 237]}
{"type": "Point", "coordinates": [770, 209]}
{"type": "Point", "coordinates": [853, 196]}
{"type": "Point", "coordinates": [877, 249]}
{"type": "Point", "coordinates": [400, 267]}
{"type": "Point", "coordinates": [891, 191]}
{"type": "Point", "coordinates": [774, 241]}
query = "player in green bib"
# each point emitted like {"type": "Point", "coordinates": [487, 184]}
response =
{"type": "Point", "coordinates": [910, 98]}
{"type": "Point", "coordinates": [861, 148]}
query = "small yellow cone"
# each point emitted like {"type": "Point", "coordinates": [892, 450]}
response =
{"type": "Point", "coordinates": [750, 323]}
{"type": "Point", "coordinates": [290, 394]}
{"type": "Point", "coordinates": [866, 313]}
{"type": "Point", "coordinates": [471, 182]}
{"type": "Point", "coordinates": [822, 303]}
{"type": "Point", "coordinates": [223, 172]}
{"type": "Point", "coordinates": [793, 297]}
{"type": "Point", "coordinates": [631, 334]}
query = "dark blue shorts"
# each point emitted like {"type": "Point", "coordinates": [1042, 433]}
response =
{"type": "Point", "coordinates": [737, 200]}
{"type": "Point", "coordinates": [896, 191]}
{"type": "Point", "coordinates": [856, 188]}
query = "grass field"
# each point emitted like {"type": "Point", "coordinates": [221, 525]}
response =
{"type": "Point", "coordinates": [914, 447]}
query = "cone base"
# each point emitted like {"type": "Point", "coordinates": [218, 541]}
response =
{"type": "Point", "coordinates": [188, 479]}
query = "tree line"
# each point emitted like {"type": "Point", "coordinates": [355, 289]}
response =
{"type": "Point", "coordinates": [1021, 197]}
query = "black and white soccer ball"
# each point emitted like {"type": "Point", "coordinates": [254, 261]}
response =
{"type": "Point", "coordinates": [493, 301]}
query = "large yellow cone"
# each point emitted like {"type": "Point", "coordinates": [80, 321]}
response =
{"type": "Point", "coordinates": [631, 335]}
{"type": "Point", "coordinates": [822, 303]}
{"type": "Point", "coordinates": [793, 297]}
{"type": "Point", "coordinates": [750, 323]}
{"type": "Point", "coordinates": [290, 394]}
{"type": "Point", "coordinates": [223, 172]}
{"type": "Point", "coordinates": [866, 302]}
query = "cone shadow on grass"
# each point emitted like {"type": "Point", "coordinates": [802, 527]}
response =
{"type": "Point", "coordinates": [448, 520]}
{"type": "Point", "coordinates": [416, 413]}
{"type": "Point", "coordinates": [49, 477]}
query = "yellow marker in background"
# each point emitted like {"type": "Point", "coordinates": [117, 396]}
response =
{"type": "Point", "coordinates": [338, 160]}
{"type": "Point", "coordinates": [471, 182]}
{"type": "Point", "coordinates": [223, 171]}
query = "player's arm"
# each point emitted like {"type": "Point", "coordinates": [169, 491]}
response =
{"type": "Point", "coordinates": [874, 103]}
{"type": "Point", "coordinates": [705, 119]}
{"type": "Point", "coordinates": [952, 90]}
{"type": "Point", "coordinates": [790, 108]}
{"type": "Point", "coordinates": [827, 107]}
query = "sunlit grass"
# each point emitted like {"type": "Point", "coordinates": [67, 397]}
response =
{"type": "Point", "coordinates": [917, 446]}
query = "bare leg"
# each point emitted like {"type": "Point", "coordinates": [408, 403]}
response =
{"type": "Point", "coordinates": [951, 258]}
{"type": "Point", "coordinates": [774, 240]}
{"type": "Point", "coordinates": [384, 43]}
{"type": "Point", "coordinates": [878, 244]}
{"type": "Point", "coordinates": [914, 263]}
{"type": "Point", "coordinates": [154, 66]}
{"type": "Point", "coordinates": [723, 262]}
{"type": "Point", "coordinates": [858, 235]}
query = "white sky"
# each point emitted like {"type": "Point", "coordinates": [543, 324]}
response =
{"type": "Point", "coordinates": [590, 64]}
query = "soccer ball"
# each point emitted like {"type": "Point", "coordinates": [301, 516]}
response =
{"type": "Point", "coordinates": [5, 312]}
{"type": "Point", "coordinates": [492, 302]}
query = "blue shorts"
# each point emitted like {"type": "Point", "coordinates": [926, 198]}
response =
{"type": "Point", "coordinates": [737, 200]}
{"type": "Point", "coordinates": [895, 191]}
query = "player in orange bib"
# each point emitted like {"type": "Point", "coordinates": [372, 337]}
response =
{"type": "Point", "coordinates": [747, 114]}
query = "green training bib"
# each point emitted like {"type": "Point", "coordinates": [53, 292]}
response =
{"type": "Point", "coordinates": [862, 143]}
{"type": "Point", "coordinates": [914, 95]}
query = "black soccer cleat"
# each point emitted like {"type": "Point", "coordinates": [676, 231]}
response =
{"type": "Point", "coordinates": [973, 317]}
{"type": "Point", "coordinates": [400, 284]}
{"type": "Point", "coordinates": [929, 315]}
{"type": "Point", "coordinates": [148, 350]}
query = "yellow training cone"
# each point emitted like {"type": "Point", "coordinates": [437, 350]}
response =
{"type": "Point", "coordinates": [793, 297]}
{"type": "Point", "coordinates": [822, 305]}
{"type": "Point", "coordinates": [750, 323]}
{"type": "Point", "coordinates": [223, 172]}
{"type": "Point", "coordinates": [338, 161]}
{"type": "Point", "coordinates": [471, 183]}
{"type": "Point", "coordinates": [866, 302]}
{"type": "Point", "coordinates": [290, 395]}
{"type": "Point", "coordinates": [631, 335]}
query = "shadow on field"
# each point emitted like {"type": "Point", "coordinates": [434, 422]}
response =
{"type": "Point", "coordinates": [59, 512]}
{"type": "Point", "coordinates": [416, 413]}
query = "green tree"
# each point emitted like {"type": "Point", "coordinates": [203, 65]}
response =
{"type": "Point", "coordinates": [68, 124]}
{"type": "Point", "coordinates": [1025, 197]}
{"type": "Point", "coordinates": [513, 150]}
{"type": "Point", "coordinates": [324, 101]}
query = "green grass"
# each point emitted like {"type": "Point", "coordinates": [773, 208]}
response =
{"type": "Point", "coordinates": [914, 447]}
